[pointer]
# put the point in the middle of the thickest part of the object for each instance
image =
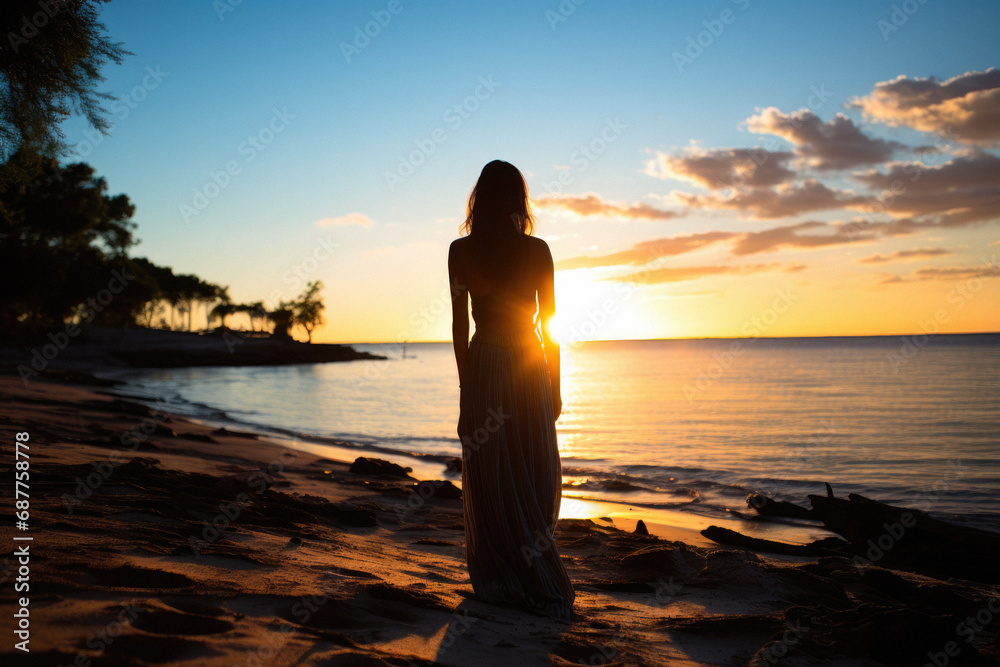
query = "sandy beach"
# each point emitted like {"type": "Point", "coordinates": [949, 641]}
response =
{"type": "Point", "coordinates": [157, 540]}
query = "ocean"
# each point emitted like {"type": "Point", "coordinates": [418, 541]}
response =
{"type": "Point", "coordinates": [690, 426]}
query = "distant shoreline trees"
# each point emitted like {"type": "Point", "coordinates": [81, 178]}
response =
{"type": "Point", "coordinates": [64, 246]}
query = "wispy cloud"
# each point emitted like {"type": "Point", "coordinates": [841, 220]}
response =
{"type": "Point", "coordinates": [905, 255]}
{"type": "Point", "coordinates": [359, 219]}
{"type": "Point", "coordinates": [792, 236]}
{"type": "Point", "coordinates": [945, 274]}
{"type": "Point", "coordinates": [684, 273]}
{"type": "Point", "coordinates": [648, 251]}
{"type": "Point", "coordinates": [589, 204]}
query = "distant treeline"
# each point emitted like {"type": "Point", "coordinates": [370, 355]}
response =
{"type": "Point", "coordinates": [64, 245]}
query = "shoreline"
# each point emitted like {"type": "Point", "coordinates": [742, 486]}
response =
{"type": "Point", "coordinates": [432, 466]}
{"type": "Point", "coordinates": [189, 545]}
{"type": "Point", "coordinates": [671, 524]}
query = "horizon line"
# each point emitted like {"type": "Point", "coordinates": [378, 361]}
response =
{"type": "Point", "coordinates": [617, 340]}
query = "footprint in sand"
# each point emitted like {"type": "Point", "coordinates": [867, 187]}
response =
{"type": "Point", "coordinates": [165, 622]}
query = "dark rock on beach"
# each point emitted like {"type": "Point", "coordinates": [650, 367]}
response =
{"type": "Point", "coordinates": [379, 468]}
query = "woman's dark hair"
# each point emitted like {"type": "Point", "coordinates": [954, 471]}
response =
{"type": "Point", "coordinates": [498, 207]}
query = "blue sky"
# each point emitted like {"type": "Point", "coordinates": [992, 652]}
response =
{"type": "Point", "coordinates": [329, 130]}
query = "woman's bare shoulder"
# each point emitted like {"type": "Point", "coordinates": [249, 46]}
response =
{"type": "Point", "coordinates": [459, 245]}
{"type": "Point", "coordinates": [539, 248]}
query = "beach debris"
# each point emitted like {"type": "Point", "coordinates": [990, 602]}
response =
{"type": "Point", "coordinates": [905, 538]}
{"type": "Point", "coordinates": [364, 465]}
{"type": "Point", "coordinates": [436, 488]}
{"type": "Point", "coordinates": [733, 538]}
{"type": "Point", "coordinates": [767, 507]}
{"type": "Point", "coordinates": [875, 533]}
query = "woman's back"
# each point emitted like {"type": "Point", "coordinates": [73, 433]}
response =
{"type": "Point", "coordinates": [503, 289]}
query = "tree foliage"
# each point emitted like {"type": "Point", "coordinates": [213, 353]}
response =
{"type": "Point", "coordinates": [50, 64]}
{"type": "Point", "coordinates": [308, 308]}
{"type": "Point", "coordinates": [64, 253]}
{"type": "Point", "coordinates": [64, 245]}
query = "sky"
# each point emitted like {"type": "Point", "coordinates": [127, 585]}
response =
{"type": "Point", "coordinates": [698, 169]}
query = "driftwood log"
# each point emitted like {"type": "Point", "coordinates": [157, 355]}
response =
{"type": "Point", "coordinates": [878, 534]}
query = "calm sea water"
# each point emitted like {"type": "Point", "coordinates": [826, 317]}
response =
{"type": "Point", "coordinates": [691, 425]}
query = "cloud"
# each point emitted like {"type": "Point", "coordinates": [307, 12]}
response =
{"type": "Point", "coordinates": [905, 255]}
{"type": "Point", "coordinates": [790, 236]}
{"type": "Point", "coordinates": [946, 273]}
{"type": "Point", "coordinates": [962, 191]}
{"type": "Point", "coordinates": [838, 144]}
{"type": "Point", "coordinates": [779, 202]}
{"type": "Point", "coordinates": [648, 251]}
{"type": "Point", "coordinates": [723, 167]}
{"type": "Point", "coordinates": [954, 273]}
{"type": "Point", "coordinates": [968, 171]}
{"type": "Point", "coordinates": [683, 273]}
{"type": "Point", "coordinates": [965, 108]}
{"type": "Point", "coordinates": [593, 204]}
{"type": "Point", "coordinates": [359, 219]}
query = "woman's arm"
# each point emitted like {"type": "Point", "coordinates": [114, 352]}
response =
{"type": "Point", "coordinates": [546, 310]}
{"type": "Point", "coordinates": [459, 310]}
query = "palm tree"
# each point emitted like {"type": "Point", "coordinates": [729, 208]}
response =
{"type": "Point", "coordinates": [309, 308]}
{"type": "Point", "coordinates": [284, 318]}
{"type": "Point", "coordinates": [222, 310]}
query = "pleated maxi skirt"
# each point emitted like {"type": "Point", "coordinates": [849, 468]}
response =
{"type": "Point", "coordinates": [511, 475]}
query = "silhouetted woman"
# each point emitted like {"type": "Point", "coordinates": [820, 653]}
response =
{"type": "Point", "coordinates": [511, 473]}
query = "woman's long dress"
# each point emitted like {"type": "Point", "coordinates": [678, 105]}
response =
{"type": "Point", "coordinates": [511, 473]}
